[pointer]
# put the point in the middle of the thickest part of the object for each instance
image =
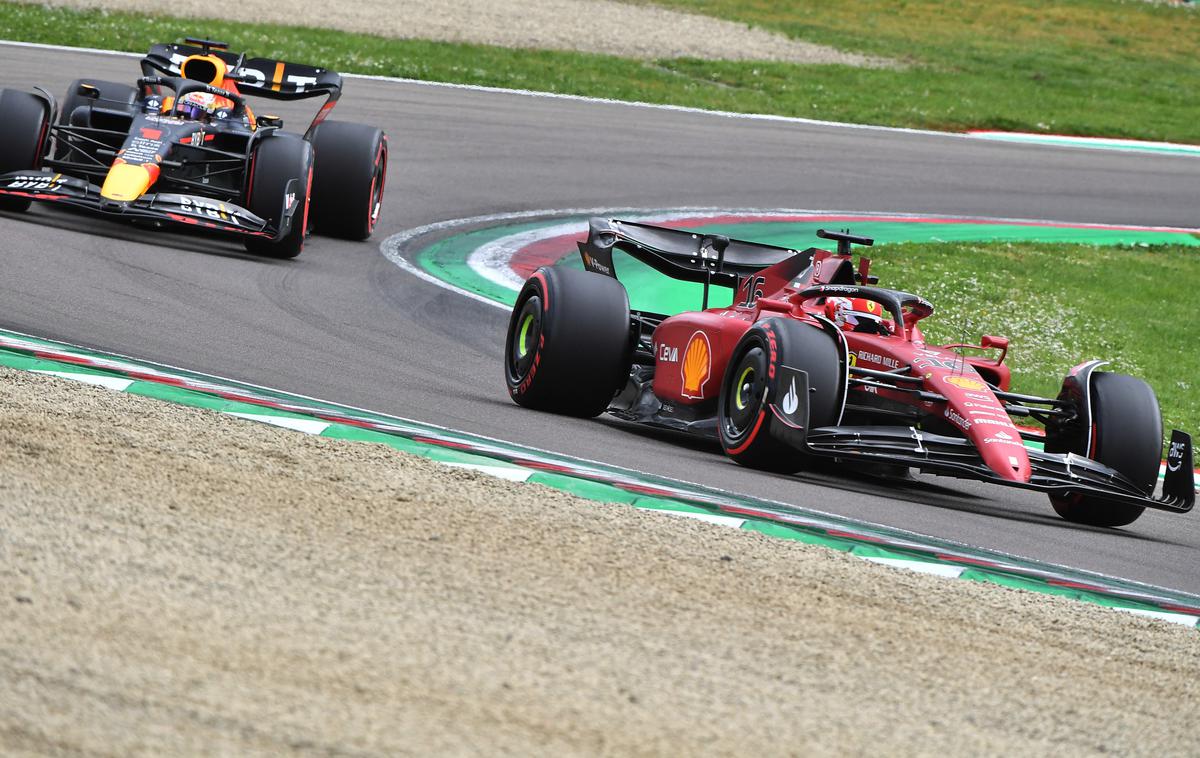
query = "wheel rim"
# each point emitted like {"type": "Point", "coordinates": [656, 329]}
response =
{"type": "Point", "coordinates": [527, 332]}
{"type": "Point", "coordinates": [744, 397]}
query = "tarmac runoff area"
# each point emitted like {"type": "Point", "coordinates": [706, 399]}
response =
{"type": "Point", "coordinates": [177, 582]}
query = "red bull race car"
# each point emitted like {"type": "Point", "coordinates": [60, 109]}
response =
{"type": "Point", "coordinates": [813, 363]}
{"type": "Point", "coordinates": [183, 146]}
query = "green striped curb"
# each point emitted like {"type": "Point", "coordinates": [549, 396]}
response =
{"type": "Point", "coordinates": [1094, 143]}
{"type": "Point", "coordinates": [591, 480]}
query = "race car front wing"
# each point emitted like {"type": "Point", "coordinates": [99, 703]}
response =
{"type": "Point", "coordinates": [47, 186]}
{"type": "Point", "coordinates": [1059, 474]}
{"type": "Point", "coordinates": [1053, 473]}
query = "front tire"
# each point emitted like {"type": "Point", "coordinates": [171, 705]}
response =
{"type": "Point", "coordinates": [568, 345]}
{"type": "Point", "coordinates": [752, 382]}
{"type": "Point", "coordinates": [348, 179]}
{"type": "Point", "coordinates": [1127, 436]}
{"type": "Point", "coordinates": [277, 161]}
{"type": "Point", "coordinates": [111, 95]}
{"type": "Point", "coordinates": [24, 124]}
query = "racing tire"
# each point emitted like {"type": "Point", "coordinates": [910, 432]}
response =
{"type": "Point", "coordinates": [24, 124]}
{"type": "Point", "coordinates": [348, 179]}
{"type": "Point", "coordinates": [568, 349]}
{"type": "Point", "coordinates": [112, 94]}
{"type": "Point", "coordinates": [278, 160]}
{"type": "Point", "coordinates": [1127, 435]}
{"type": "Point", "coordinates": [751, 383]}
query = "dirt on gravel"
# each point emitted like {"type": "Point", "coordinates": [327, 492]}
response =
{"type": "Point", "coordinates": [177, 582]}
{"type": "Point", "coordinates": [594, 26]}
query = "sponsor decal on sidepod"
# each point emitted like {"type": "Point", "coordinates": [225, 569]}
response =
{"type": "Point", "coordinates": [697, 365]}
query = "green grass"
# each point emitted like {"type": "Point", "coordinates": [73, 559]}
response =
{"type": "Point", "coordinates": [1092, 67]}
{"type": "Point", "coordinates": [1095, 67]}
{"type": "Point", "coordinates": [1063, 304]}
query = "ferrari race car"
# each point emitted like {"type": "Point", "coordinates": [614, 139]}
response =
{"type": "Point", "coordinates": [183, 146]}
{"type": "Point", "coordinates": [812, 362]}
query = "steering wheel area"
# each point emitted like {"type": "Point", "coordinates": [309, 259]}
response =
{"type": "Point", "coordinates": [904, 307]}
{"type": "Point", "coordinates": [183, 87]}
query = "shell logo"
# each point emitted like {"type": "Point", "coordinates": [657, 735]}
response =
{"type": "Point", "coordinates": [965, 382]}
{"type": "Point", "coordinates": [696, 366]}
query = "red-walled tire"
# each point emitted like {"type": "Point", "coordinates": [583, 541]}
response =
{"type": "Point", "coordinates": [1127, 436]}
{"type": "Point", "coordinates": [277, 161]}
{"type": "Point", "coordinates": [24, 125]}
{"type": "Point", "coordinates": [568, 345]}
{"type": "Point", "coordinates": [348, 179]}
{"type": "Point", "coordinates": [750, 385]}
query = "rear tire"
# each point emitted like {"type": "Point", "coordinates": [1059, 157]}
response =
{"type": "Point", "coordinates": [751, 384]}
{"type": "Point", "coordinates": [277, 161]}
{"type": "Point", "coordinates": [1127, 429]}
{"type": "Point", "coordinates": [348, 179]}
{"type": "Point", "coordinates": [568, 346]}
{"type": "Point", "coordinates": [24, 125]}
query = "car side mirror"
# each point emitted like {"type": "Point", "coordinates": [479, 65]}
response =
{"type": "Point", "coordinates": [1000, 343]}
{"type": "Point", "coordinates": [88, 91]}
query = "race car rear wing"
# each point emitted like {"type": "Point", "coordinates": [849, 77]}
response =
{"type": "Point", "coordinates": [260, 77]}
{"type": "Point", "coordinates": [687, 256]}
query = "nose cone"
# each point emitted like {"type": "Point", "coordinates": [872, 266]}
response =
{"type": "Point", "coordinates": [1014, 467]}
{"type": "Point", "coordinates": [971, 406]}
{"type": "Point", "coordinates": [1002, 450]}
{"type": "Point", "coordinates": [127, 182]}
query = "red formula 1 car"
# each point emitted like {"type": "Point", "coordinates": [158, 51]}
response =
{"type": "Point", "coordinates": [813, 363]}
{"type": "Point", "coordinates": [182, 146]}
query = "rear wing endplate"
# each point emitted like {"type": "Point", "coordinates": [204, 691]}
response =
{"type": "Point", "coordinates": [678, 253]}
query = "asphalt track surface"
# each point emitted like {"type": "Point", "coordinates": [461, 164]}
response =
{"type": "Point", "coordinates": [342, 323]}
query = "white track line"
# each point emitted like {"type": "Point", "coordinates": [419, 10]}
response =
{"type": "Point", "coordinates": [114, 383]}
{"type": "Point", "coordinates": [770, 117]}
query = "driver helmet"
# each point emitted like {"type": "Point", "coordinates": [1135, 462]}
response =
{"type": "Point", "coordinates": [857, 314]}
{"type": "Point", "coordinates": [200, 106]}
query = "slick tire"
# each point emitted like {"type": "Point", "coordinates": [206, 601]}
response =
{"type": "Point", "coordinates": [24, 126]}
{"type": "Point", "coordinates": [348, 179]}
{"type": "Point", "coordinates": [278, 160]}
{"type": "Point", "coordinates": [113, 95]}
{"type": "Point", "coordinates": [750, 385]}
{"type": "Point", "coordinates": [1128, 436]}
{"type": "Point", "coordinates": [568, 346]}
